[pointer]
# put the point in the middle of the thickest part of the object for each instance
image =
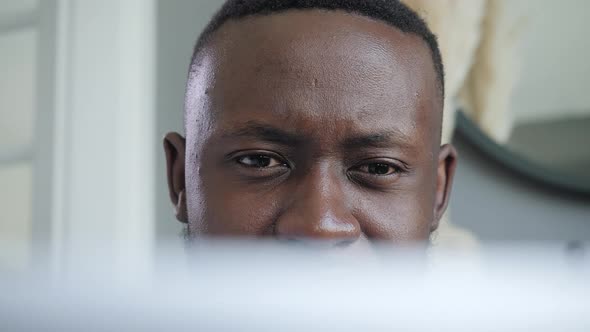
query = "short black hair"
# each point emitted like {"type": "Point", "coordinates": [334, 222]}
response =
{"type": "Point", "coordinates": [392, 12]}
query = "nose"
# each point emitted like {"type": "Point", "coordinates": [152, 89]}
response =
{"type": "Point", "coordinates": [319, 211]}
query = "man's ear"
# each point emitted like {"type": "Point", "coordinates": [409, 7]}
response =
{"type": "Point", "coordinates": [447, 162]}
{"type": "Point", "coordinates": [174, 147]}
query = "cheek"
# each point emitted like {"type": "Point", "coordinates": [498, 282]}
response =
{"type": "Point", "coordinates": [399, 216]}
{"type": "Point", "coordinates": [195, 198]}
{"type": "Point", "coordinates": [233, 209]}
{"type": "Point", "coordinates": [220, 205]}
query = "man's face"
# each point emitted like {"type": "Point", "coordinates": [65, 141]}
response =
{"type": "Point", "coordinates": [312, 125]}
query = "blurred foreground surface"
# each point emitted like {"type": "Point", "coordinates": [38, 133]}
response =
{"type": "Point", "coordinates": [226, 286]}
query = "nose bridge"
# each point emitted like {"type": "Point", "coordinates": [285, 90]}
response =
{"type": "Point", "coordinates": [319, 210]}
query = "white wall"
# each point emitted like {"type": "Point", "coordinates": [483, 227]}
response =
{"type": "Point", "coordinates": [17, 87]}
{"type": "Point", "coordinates": [91, 163]}
{"type": "Point", "coordinates": [15, 215]}
{"type": "Point", "coordinates": [18, 79]}
{"type": "Point", "coordinates": [104, 130]}
{"type": "Point", "coordinates": [15, 7]}
{"type": "Point", "coordinates": [555, 73]}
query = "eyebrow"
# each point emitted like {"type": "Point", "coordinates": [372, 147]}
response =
{"type": "Point", "coordinates": [267, 133]}
{"type": "Point", "coordinates": [386, 139]}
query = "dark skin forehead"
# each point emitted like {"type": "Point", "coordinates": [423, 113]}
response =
{"type": "Point", "coordinates": [298, 61]}
{"type": "Point", "coordinates": [325, 89]}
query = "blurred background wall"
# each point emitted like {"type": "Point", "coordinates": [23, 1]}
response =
{"type": "Point", "coordinates": [552, 84]}
{"type": "Point", "coordinates": [77, 126]}
{"type": "Point", "coordinates": [89, 88]}
{"type": "Point", "coordinates": [18, 68]}
{"type": "Point", "coordinates": [497, 204]}
{"type": "Point", "coordinates": [553, 76]}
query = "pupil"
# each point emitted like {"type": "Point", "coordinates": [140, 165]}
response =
{"type": "Point", "coordinates": [380, 169]}
{"type": "Point", "coordinates": [262, 161]}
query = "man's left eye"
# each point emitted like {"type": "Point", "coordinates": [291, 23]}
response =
{"type": "Point", "coordinates": [379, 169]}
{"type": "Point", "coordinates": [259, 161]}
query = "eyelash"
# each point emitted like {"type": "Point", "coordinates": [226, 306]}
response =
{"type": "Point", "coordinates": [394, 170]}
{"type": "Point", "coordinates": [279, 161]}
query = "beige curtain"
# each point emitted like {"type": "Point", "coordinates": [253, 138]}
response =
{"type": "Point", "coordinates": [478, 41]}
{"type": "Point", "coordinates": [458, 25]}
{"type": "Point", "coordinates": [487, 91]}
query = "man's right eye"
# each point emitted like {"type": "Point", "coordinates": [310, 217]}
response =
{"type": "Point", "coordinates": [260, 161]}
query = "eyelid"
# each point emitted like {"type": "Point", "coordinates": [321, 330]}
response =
{"type": "Point", "coordinates": [274, 162]}
{"type": "Point", "coordinates": [396, 169]}
{"type": "Point", "coordinates": [245, 153]}
{"type": "Point", "coordinates": [378, 182]}
{"type": "Point", "coordinates": [402, 166]}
